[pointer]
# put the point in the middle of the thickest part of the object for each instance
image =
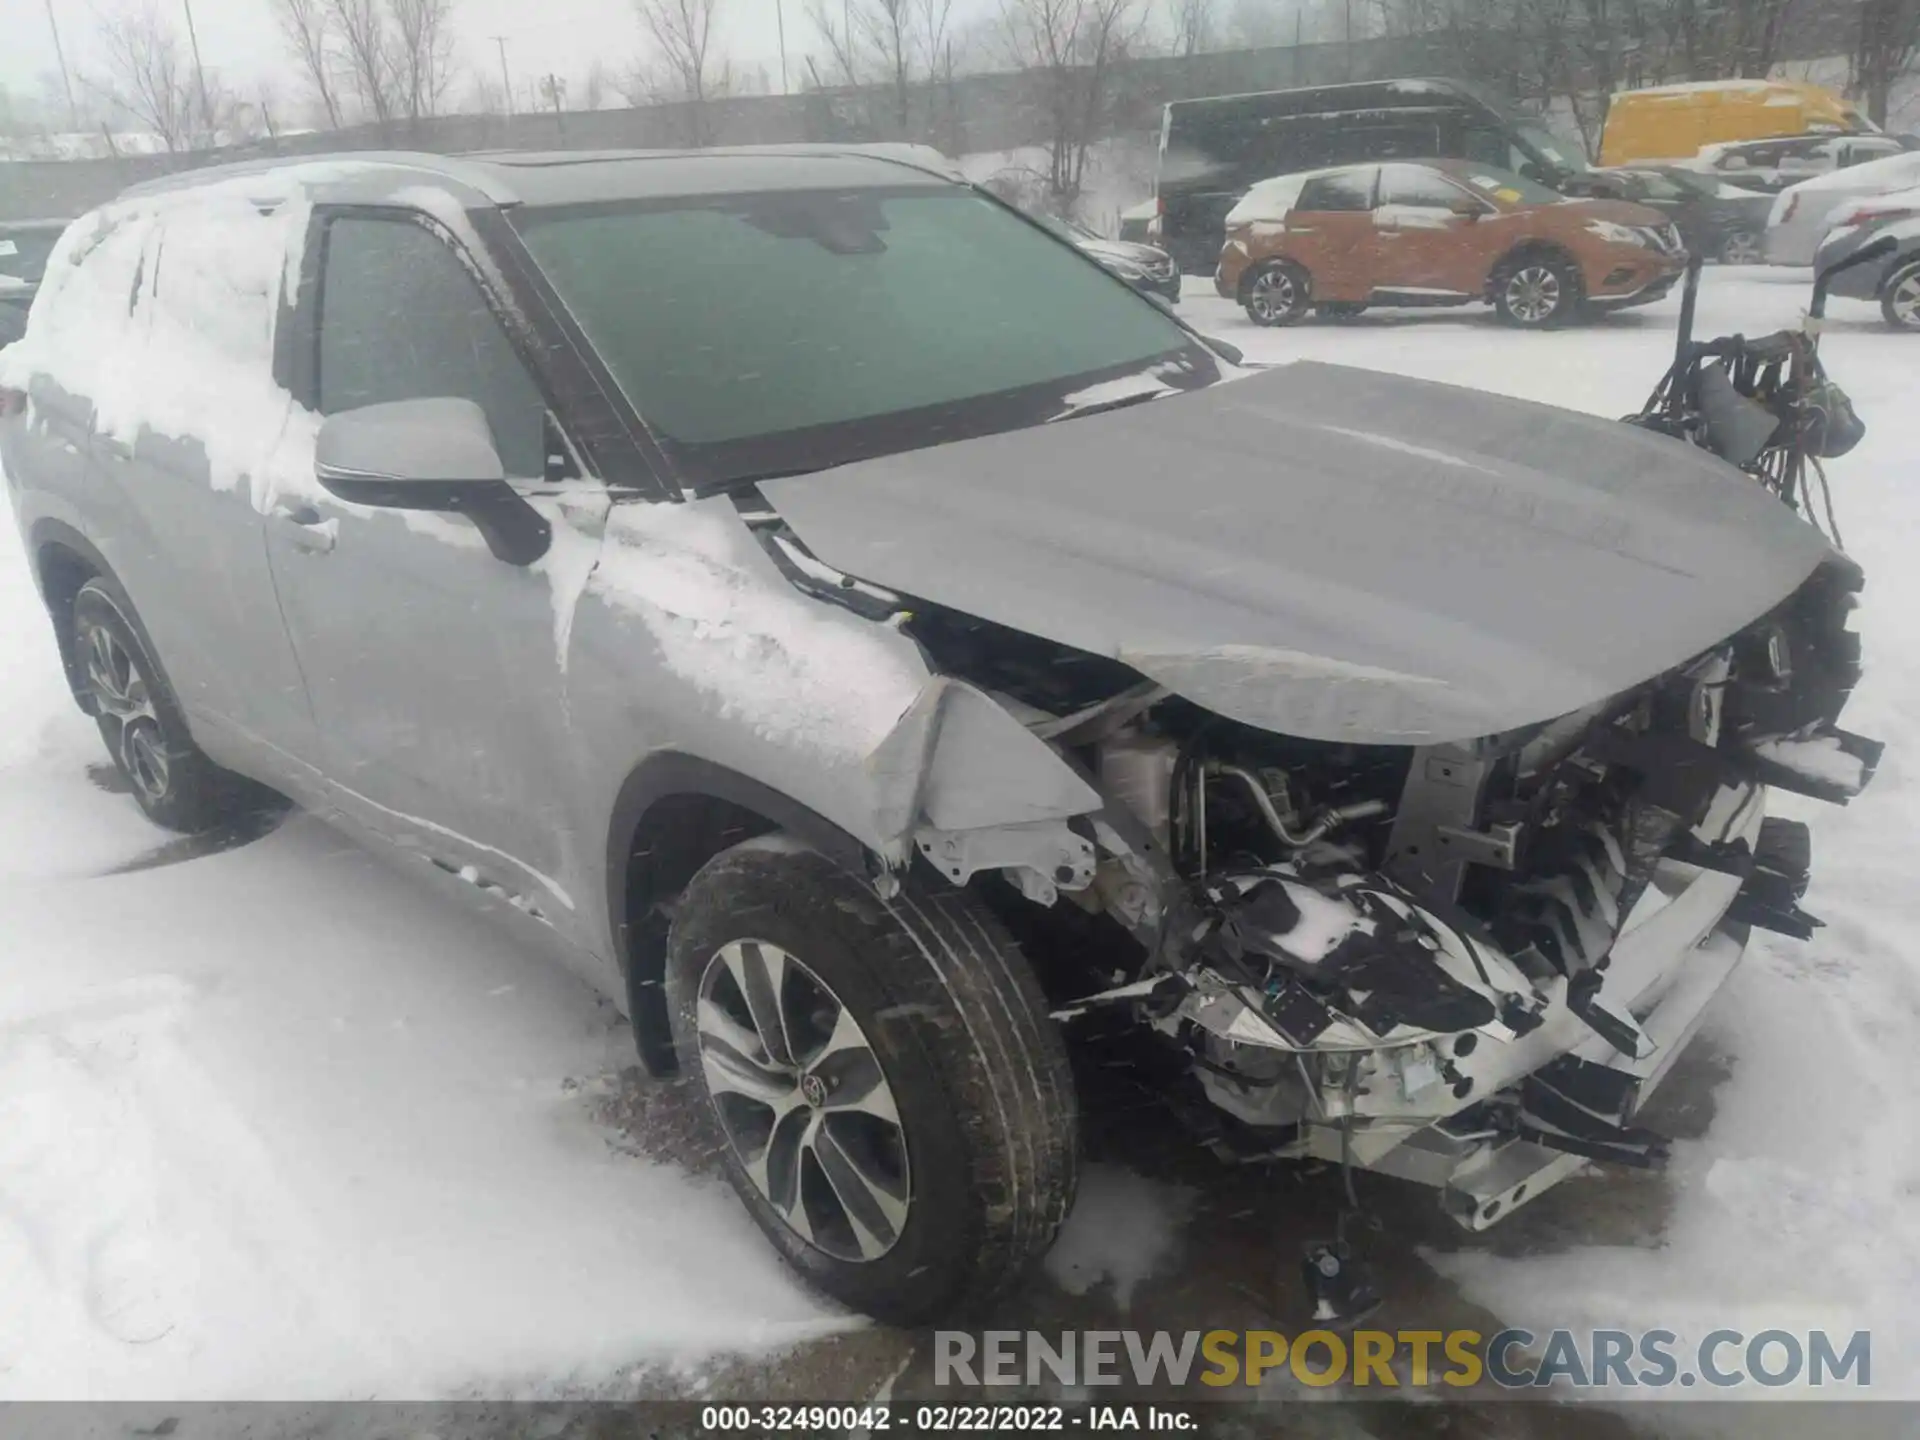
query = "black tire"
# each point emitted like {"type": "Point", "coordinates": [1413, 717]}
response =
{"type": "Point", "coordinates": [1900, 298]}
{"type": "Point", "coordinates": [140, 721]}
{"type": "Point", "coordinates": [1278, 292]}
{"type": "Point", "coordinates": [1741, 247]}
{"type": "Point", "coordinates": [969, 1061]}
{"type": "Point", "coordinates": [1537, 290]}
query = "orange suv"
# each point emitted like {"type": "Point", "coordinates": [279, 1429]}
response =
{"type": "Point", "coordinates": [1439, 232]}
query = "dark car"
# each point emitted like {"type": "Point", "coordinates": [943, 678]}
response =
{"type": "Point", "coordinates": [24, 248]}
{"type": "Point", "coordinates": [1720, 221]}
{"type": "Point", "coordinates": [1147, 268]}
{"type": "Point", "coordinates": [1894, 281]}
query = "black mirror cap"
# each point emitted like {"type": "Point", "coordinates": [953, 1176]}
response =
{"type": "Point", "coordinates": [514, 531]}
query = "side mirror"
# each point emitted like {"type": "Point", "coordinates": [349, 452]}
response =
{"type": "Point", "coordinates": [430, 455]}
{"type": "Point", "coordinates": [1466, 209]}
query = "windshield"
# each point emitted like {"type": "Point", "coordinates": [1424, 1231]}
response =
{"type": "Point", "coordinates": [1562, 154]}
{"type": "Point", "coordinates": [733, 322]}
{"type": "Point", "coordinates": [1506, 188]}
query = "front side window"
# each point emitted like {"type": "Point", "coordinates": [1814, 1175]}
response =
{"type": "Point", "coordinates": [402, 319]}
{"type": "Point", "coordinates": [1419, 187]}
{"type": "Point", "coordinates": [798, 329]}
{"type": "Point", "coordinates": [1343, 190]}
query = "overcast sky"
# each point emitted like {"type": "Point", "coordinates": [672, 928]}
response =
{"type": "Point", "coordinates": [238, 37]}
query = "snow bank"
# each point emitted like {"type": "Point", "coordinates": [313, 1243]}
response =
{"type": "Point", "coordinates": [279, 1124]}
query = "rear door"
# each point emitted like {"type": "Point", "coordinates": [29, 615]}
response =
{"type": "Point", "coordinates": [1330, 232]}
{"type": "Point", "coordinates": [436, 671]}
{"type": "Point", "coordinates": [188, 414]}
{"type": "Point", "coordinates": [1423, 247]}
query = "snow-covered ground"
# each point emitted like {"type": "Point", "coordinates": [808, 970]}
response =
{"type": "Point", "coordinates": [278, 1123]}
{"type": "Point", "coordinates": [1801, 1207]}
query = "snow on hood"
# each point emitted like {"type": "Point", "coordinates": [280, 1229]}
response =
{"type": "Point", "coordinates": [1896, 172]}
{"type": "Point", "coordinates": [1331, 553]}
{"type": "Point", "coordinates": [1849, 211]}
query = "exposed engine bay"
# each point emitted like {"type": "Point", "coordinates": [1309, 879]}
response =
{"type": "Point", "coordinates": [1466, 963]}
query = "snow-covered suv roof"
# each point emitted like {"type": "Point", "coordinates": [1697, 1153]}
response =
{"type": "Point", "coordinates": [571, 176]}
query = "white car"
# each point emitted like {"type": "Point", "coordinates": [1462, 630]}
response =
{"type": "Point", "coordinates": [1804, 213]}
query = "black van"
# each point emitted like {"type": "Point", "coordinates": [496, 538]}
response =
{"type": "Point", "coordinates": [1212, 150]}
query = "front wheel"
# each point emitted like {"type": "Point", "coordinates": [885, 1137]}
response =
{"type": "Point", "coordinates": [1900, 298]}
{"type": "Point", "coordinates": [1742, 247]}
{"type": "Point", "coordinates": [893, 1104]}
{"type": "Point", "coordinates": [1537, 291]}
{"type": "Point", "coordinates": [1277, 293]}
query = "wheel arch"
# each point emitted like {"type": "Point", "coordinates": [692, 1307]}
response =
{"type": "Point", "coordinates": [674, 812]}
{"type": "Point", "coordinates": [1267, 262]}
{"type": "Point", "coordinates": [1527, 248]}
{"type": "Point", "coordinates": [64, 560]}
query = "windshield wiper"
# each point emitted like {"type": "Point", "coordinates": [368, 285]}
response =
{"type": "Point", "coordinates": [1119, 402]}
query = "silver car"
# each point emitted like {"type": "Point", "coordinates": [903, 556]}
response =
{"type": "Point", "coordinates": [1803, 214]}
{"type": "Point", "coordinates": [873, 644]}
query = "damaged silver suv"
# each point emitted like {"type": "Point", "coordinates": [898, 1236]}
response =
{"type": "Point", "coordinates": [870, 641]}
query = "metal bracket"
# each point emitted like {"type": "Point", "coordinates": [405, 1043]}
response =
{"type": "Point", "coordinates": [1442, 791]}
{"type": "Point", "coordinates": [1042, 858]}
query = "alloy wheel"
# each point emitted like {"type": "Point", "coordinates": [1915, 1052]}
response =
{"type": "Point", "coordinates": [122, 694]}
{"type": "Point", "coordinates": [1533, 294]}
{"type": "Point", "coordinates": [1274, 295]}
{"type": "Point", "coordinates": [803, 1100]}
{"type": "Point", "coordinates": [1903, 300]}
{"type": "Point", "coordinates": [1741, 248]}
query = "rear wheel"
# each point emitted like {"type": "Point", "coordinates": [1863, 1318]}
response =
{"type": "Point", "coordinates": [1742, 247]}
{"type": "Point", "coordinates": [892, 1103]}
{"type": "Point", "coordinates": [1900, 298]}
{"type": "Point", "coordinates": [145, 733]}
{"type": "Point", "coordinates": [1537, 290]}
{"type": "Point", "coordinates": [1277, 294]}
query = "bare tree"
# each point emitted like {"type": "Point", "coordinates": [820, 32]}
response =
{"type": "Point", "coordinates": [1068, 49]}
{"type": "Point", "coordinates": [833, 24]}
{"type": "Point", "coordinates": [1886, 44]}
{"type": "Point", "coordinates": [306, 26]}
{"type": "Point", "coordinates": [366, 51]}
{"type": "Point", "coordinates": [151, 78]}
{"type": "Point", "coordinates": [682, 32]}
{"type": "Point", "coordinates": [1194, 22]}
{"type": "Point", "coordinates": [422, 51]}
{"type": "Point", "coordinates": [593, 92]}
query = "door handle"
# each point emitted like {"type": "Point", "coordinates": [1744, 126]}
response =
{"type": "Point", "coordinates": [305, 528]}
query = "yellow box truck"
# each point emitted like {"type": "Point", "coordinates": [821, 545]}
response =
{"type": "Point", "coordinates": [1672, 122]}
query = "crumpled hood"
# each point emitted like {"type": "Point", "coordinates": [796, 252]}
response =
{"type": "Point", "coordinates": [1331, 553]}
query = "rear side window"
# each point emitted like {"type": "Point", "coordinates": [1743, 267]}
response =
{"type": "Point", "coordinates": [1347, 190]}
{"type": "Point", "coordinates": [213, 283]}
{"type": "Point", "coordinates": [401, 318]}
{"type": "Point", "coordinates": [89, 286]}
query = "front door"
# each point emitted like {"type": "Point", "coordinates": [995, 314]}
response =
{"type": "Point", "coordinates": [1423, 247]}
{"type": "Point", "coordinates": [1329, 231]}
{"type": "Point", "coordinates": [436, 671]}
